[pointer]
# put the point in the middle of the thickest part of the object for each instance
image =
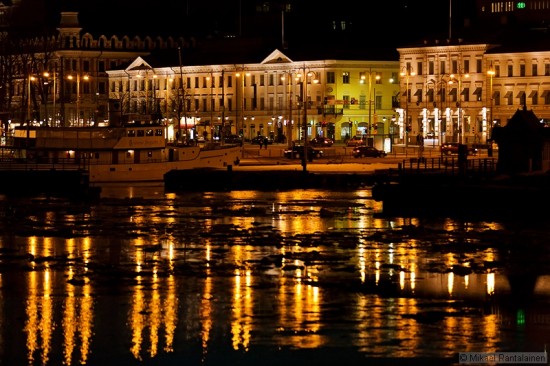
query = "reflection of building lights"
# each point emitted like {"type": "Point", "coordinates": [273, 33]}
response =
{"type": "Point", "coordinates": [490, 283]}
{"type": "Point", "coordinates": [450, 282]}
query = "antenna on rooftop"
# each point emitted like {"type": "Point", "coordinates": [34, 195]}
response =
{"type": "Point", "coordinates": [450, 17]}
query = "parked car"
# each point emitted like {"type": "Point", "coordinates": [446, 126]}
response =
{"type": "Point", "coordinates": [321, 142]}
{"type": "Point", "coordinates": [260, 139]}
{"type": "Point", "coordinates": [356, 141]}
{"type": "Point", "coordinates": [451, 148]}
{"type": "Point", "coordinates": [367, 151]}
{"type": "Point", "coordinates": [233, 139]}
{"type": "Point", "coordinates": [297, 151]}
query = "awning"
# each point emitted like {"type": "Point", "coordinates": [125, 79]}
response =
{"type": "Point", "coordinates": [478, 91]}
{"type": "Point", "coordinates": [508, 94]}
{"type": "Point", "coordinates": [544, 93]}
{"type": "Point", "coordinates": [453, 91]}
{"type": "Point", "coordinates": [430, 93]}
{"type": "Point", "coordinates": [533, 94]}
{"type": "Point", "coordinates": [496, 94]}
{"type": "Point", "coordinates": [464, 91]}
{"type": "Point", "coordinates": [418, 93]}
{"type": "Point", "coordinates": [521, 94]}
{"type": "Point", "coordinates": [441, 91]}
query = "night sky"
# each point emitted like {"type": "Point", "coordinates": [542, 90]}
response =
{"type": "Point", "coordinates": [372, 21]}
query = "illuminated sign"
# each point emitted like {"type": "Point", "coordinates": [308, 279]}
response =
{"type": "Point", "coordinates": [520, 5]}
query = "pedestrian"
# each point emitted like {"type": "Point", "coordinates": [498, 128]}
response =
{"type": "Point", "coordinates": [261, 142]}
{"type": "Point", "coordinates": [265, 143]}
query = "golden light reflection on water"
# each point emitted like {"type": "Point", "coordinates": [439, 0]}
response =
{"type": "Point", "coordinates": [297, 306]}
{"type": "Point", "coordinates": [153, 307]}
{"type": "Point", "coordinates": [206, 313]}
{"type": "Point", "coordinates": [241, 324]}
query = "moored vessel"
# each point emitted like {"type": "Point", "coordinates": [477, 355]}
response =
{"type": "Point", "coordinates": [133, 152]}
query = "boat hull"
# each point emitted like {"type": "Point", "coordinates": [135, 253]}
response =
{"type": "Point", "coordinates": [129, 153]}
{"type": "Point", "coordinates": [154, 171]}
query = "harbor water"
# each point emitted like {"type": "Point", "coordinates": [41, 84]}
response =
{"type": "Point", "coordinates": [145, 277]}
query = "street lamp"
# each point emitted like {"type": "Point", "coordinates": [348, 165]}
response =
{"type": "Point", "coordinates": [47, 74]}
{"type": "Point", "coordinates": [305, 77]}
{"type": "Point", "coordinates": [491, 73]}
{"type": "Point", "coordinates": [240, 102]}
{"type": "Point", "coordinates": [407, 72]}
{"type": "Point", "coordinates": [29, 108]}
{"type": "Point", "coordinates": [458, 78]}
{"type": "Point", "coordinates": [85, 78]}
{"type": "Point", "coordinates": [289, 124]}
{"type": "Point", "coordinates": [362, 81]}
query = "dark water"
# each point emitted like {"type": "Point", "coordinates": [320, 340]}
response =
{"type": "Point", "coordinates": [244, 278]}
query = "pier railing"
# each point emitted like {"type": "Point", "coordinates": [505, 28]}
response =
{"type": "Point", "coordinates": [479, 168]}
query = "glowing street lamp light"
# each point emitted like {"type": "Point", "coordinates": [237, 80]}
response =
{"type": "Point", "coordinates": [407, 72]}
{"type": "Point", "coordinates": [29, 108]}
{"type": "Point", "coordinates": [458, 78]}
{"type": "Point", "coordinates": [362, 81]}
{"type": "Point", "coordinates": [85, 78]}
{"type": "Point", "coordinates": [491, 73]}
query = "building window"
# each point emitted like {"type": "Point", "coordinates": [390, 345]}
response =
{"type": "Point", "coordinates": [466, 66]}
{"type": "Point", "coordinates": [431, 67]}
{"type": "Point", "coordinates": [330, 77]}
{"type": "Point", "coordinates": [345, 77]}
{"type": "Point", "coordinates": [442, 67]}
{"type": "Point", "coordinates": [534, 69]}
{"type": "Point", "coordinates": [522, 70]}
{"type": "Point", "coordinates": [419, 67]}
{"type": "Point", "coordinates": [418, 95]}
{"type": "Point", "coordinates": [262, 80]}
{"type": "Point", "coordinates": [479, 66]}
{"type": "Point", "coordinates": [510, 70]}
{"type": "Point", "coordinates": [378, 78]}
{"type": "Point", "coordinates": [466, 94]}
{"type": "Point", "coordinates": [496, 98]}
{"type": "Point", "coordinates": [534, 97]}
{"type": "Point", "coordinates": [270, 79]}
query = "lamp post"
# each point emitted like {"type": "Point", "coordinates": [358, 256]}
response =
{"type": "Point", "coordinates": [29, 108]}
{"type": "Point", "coordinates": [407, 72]}
{"type": "Point", "coordinates": [458, 78]}
{"type": "Point", "coordinates": [46, 75]}
{"type": "Point", "coordinates": [240, 102]}
{"type": "Point", "coordinates": [237, 86]}
{"type": "Point", "coordinates": [305, 76]}
{"type": "Point", "coordinates": [86, 78]}
{"type": "Point", "coordinates": [491, 74]}
{"type": "Point", "coordinates": [289, 123]}
{"type": "Point", "coordinates": [362, 81]}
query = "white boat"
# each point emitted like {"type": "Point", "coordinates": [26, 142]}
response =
{"type": "Point", "coordinates": [130, 153]}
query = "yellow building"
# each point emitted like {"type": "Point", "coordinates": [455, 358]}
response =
{"type": "Point", "coordinates": [277, 97]}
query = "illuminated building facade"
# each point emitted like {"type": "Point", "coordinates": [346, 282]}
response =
{"type": "Point", "coordinates": [342, 98]}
